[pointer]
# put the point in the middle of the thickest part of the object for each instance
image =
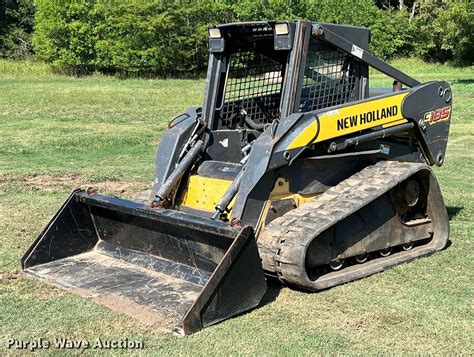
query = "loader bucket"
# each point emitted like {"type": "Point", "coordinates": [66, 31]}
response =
{"type": "Point", "coordinates": [164, 267]}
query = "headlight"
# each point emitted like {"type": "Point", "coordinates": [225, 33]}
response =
{"type": "Point", "coordinates": [281, 29]}
{"type": "Point", "coordinates": [214, 33]}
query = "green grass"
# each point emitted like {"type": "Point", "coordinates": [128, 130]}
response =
{"type": "Point", "coordinates": [58, 132]}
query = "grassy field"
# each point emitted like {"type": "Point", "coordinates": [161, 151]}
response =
{"type": "Point", "coordinates": [59, 132]}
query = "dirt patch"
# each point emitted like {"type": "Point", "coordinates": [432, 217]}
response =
{"type": "Point", "coordinates": [9, 276]}
{"type": "Point", "coordinates": [113, 186]}
{"type": "Point", "coordinates": [51, 183]}
{"type": "Point", "coordinates": [373, 321]}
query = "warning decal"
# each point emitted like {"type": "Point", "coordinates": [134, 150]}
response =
{"type": "Point", "coordinates": [357, 51]}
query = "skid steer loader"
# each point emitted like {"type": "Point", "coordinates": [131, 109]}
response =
{"type": "Point", "coordinates": [294, 169]}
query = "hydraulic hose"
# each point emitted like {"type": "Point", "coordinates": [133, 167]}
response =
{"type": "Point", "coordinates": [252, 124]}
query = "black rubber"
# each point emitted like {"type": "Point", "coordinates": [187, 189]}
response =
{"type": "Point", "coordinates": [284, 242]}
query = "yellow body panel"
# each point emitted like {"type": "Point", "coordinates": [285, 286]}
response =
{"type": "Point", "coordinates": [204, 193]}
{"type": "Point", "coordinates": [281, 191]}
{"type": "Point", "coordinates": [351, 119]}
{"type": "Point", "coordinates": [393, 123]}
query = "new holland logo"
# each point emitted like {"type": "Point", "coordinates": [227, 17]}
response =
{"type": "Point", "coordinates": [438, 115]}
{"type": "Point", "coordinates": [368, 117]}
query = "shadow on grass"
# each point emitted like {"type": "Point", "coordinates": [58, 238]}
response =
{"type": "Point", "coordinates": [273, 290]}
{"type": "Point", "coordinates": [453, 212]}
{"type": "Point", "coordinates": [463, 81]}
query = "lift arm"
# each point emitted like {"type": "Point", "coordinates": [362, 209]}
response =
{"type": "Point", "coordinates": [363, 55]}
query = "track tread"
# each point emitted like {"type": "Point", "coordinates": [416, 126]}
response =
{"type": "Point", "coordinates": [282, 243]}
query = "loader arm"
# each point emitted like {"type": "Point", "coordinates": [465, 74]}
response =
{"type": "Point", "coordinates": [341, 130]}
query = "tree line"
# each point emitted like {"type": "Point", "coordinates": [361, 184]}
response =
{"type": "Point", "coordinates": [169, 37]}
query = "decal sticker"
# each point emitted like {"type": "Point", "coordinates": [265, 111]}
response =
{"type": "Point", "coordinates": [385, 149]}
{"type": "Point", "coordinates": [357, 51]}
{"type": "Point", "coordinates": [332, 112]}
{"type": "Point", "coordinates": [224, 143]}
{"type": "Point", "coordinates": [438, 115]}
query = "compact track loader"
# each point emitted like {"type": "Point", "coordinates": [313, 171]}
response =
{"type": "Point", "coordinates": [294, 169]}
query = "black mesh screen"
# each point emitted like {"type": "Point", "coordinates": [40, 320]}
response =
{"type": "Point", "coordinates": [330, 78]}
{"type": "Point", "coordinates": [254, 84]}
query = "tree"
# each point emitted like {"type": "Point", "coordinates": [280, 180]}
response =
{"type": "Point", "coordinates": [445, 30]}
{"type": "Point", "coordinates": [16, 27]}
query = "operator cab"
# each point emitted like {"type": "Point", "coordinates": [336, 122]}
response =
{"type": "Point", "coordinates": [260, 72]}
{"type": "Point", "coordinates": [252, 78]}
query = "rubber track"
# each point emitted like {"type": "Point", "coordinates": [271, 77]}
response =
{"type": "Point", "coordinates": [283, 243]}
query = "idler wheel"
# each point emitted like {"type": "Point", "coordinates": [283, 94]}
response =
{"type": "Point", "coordinates": [336, 264]}
{"type": "Point", "coordinates": [412, 193]}
{"type": "Point", "coordinates": [361, 258]}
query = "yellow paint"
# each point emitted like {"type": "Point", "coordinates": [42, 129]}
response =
{"type": "Point", "coordinates": [261, 221]}
{"type": "Point", "coordinates": [281, 191]}
{"type": "Point", "coordinates": [396, 122]}
{"type": "Point", "coordinates": [305, 137]}
{"type": "Point", "coordinates": [204, 193]}
{"type": "Point", "coordinates": [350, 119]}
